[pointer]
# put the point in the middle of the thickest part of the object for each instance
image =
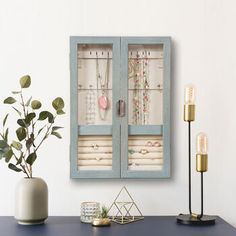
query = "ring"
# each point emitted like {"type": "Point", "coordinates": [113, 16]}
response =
{"type": "Point", "coordinates": [143, 151]}
{"type": "Point", "coordinates": [95, 146]}
{"type": "Point", "coordinates": [131, 151]}
{"type": "Point", "coordinates": [149, 143]}
{"type": "Point", "coordinates": [157, 144]}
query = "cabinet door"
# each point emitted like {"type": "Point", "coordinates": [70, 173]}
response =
{"type": "Point", "coordinates": [95, 126]}
{"type": "Point", "coordinates": [145, 130]}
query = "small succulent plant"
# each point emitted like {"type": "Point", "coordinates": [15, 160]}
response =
{"type": "Point", "coordinates": [34, 127]}
{"type": "Point", "coordinates": [104, 212]}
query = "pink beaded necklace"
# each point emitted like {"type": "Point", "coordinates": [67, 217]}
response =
{"type": "Point", "coordinates": [103, 101]}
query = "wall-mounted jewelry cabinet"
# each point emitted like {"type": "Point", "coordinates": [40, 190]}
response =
{"type": "Point", "coordinates": [120, 107]}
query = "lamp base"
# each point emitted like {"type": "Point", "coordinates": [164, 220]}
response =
{"type": "Point", "coordinates": [190, 220]}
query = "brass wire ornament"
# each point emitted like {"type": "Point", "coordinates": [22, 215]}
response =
{"type": "Point", "coordinates": [126, 209]}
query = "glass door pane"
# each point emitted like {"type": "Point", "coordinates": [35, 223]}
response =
{"type": "Point", "coordinates": [94, 105]}
{"type": "Point", "coordinates": [145, 84]}
{"type": "Point", "coordinates": [94, 84]}
{"type": "Point", "coordinates": [145, 96]}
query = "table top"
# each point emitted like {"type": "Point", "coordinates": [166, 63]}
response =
{"type": "Point", "coordinates": [151, 225]}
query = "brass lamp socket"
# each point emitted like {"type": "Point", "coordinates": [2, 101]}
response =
{"type": "Point", "coordinates": [194, 215]}
{"type": "Point", "coordinates": [189, 112]}
{"type": "Point", "coordinates": [201, 162]}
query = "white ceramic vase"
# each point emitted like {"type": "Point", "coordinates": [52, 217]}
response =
{"type": "Point", "coordinates": [31, 201]}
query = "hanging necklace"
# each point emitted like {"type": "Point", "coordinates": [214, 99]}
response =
{"type": "Point", "coordinates": [103, 101]}
{"type": "Point", "coordinates": [136, 93]}
{"type": "Point", "coordinates": [146, 96]}
{"type": "Point", "coordinates": [90, 106]}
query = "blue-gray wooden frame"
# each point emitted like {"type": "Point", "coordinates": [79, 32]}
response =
{"type": "Point", "coordinates": [75, 129]}
{"type": "Point", "coordinates": [119, 128]}
{"type": "Point", "coordinates": [164, 130]}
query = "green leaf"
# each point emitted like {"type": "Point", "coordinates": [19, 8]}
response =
{"type": "Point", "coordinates": [60, 112]}
{"type": "Point", "coordinates": [20, 159]}
{"type": "Point", "coordinates": [16, 145]}
{"type": "Point", "coordinates": [5, 119]}
{"type": "Point", "coordinates": [32, 136]}
{"type": "Point", "coordinates": [30, 117]}
{"type": "Point", "coordinates": [41, 130]}
{"type": "Point", "coordinates": [29, 143]}
{"type": "Point", "coordinates": [6, 135]}
{"type": "Point", "coordinates": [35, 104]}
{"type": "Point", "coordinates": [1, 154]}
{"type": "Point", "coordinates": [50, 118]}
{"type": "Point", "coordinates": [13, 167]}
{"type": "Point", "coordinates": [56, 134]}
{"type": "Point", "coordinates": [3, 144]}
{"type": "Point", "coordinates": [25, 81]}
{"type": "Point", "coordinates": [31, 158]}
{"type": "Point", "coordinates": [43, 115]}
{"type": "Point", "coordinates": [22, 123]}
{"type": "Point", "coordinates": [16, 92]}
{"type": "Point", "coordinates": [54, 128]}
{"type": "Point", "coordinates": [9, 100]}
{"type": "Point", "coordinates": [28, 102]}
{"type": "Point", "coordinates": [21, 133]}
{"type": "Point", "coordinates": [46, 114]}
{"type": "Point", "coordinates": [19, 113]}
{"type": "Point", "coordinates": [58, 103]}
{"type": "Point", "coordinates": [8, 155]}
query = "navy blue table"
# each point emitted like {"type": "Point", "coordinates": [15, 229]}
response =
{"type": "Point", "coordinates": [150, 226]}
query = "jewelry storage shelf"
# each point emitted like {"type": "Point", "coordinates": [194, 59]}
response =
{"type": "Point", "coordinates": [151, 225]}
{"type": "Point", "coordinates": [120, 107]}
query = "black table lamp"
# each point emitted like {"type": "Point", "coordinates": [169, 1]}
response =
{"type": "Point", "coordinates": [201, 162]}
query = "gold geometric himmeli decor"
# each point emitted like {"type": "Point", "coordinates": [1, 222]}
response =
{"type": "Point", "coordinates": [124, 210]}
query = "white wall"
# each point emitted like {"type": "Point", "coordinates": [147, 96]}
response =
{"type": "Point", "coordinates": [34, 39]}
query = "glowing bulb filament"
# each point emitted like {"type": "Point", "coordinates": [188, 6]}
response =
{"type": "Point", "coordinates": [202, 143]}
{"type": "Point", "coordinates": [189, 94]}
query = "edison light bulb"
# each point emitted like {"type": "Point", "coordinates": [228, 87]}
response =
{"type": "Point", "coordinates": [189, 94]}
{"type": "Point", "coordinates": [202, 143]}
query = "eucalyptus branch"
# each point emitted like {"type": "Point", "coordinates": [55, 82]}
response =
{"type": "Point", "coordinates": [26, 131]}
{"type": "Point", "coordinates": [23, 104]}
{"type": "Point", "coordinates": [41, 129]}
{"type": "Point", "coordinates": [45, 136]}
{"type": "Point", "coordinates": [25, 113]}
{"type": "Point", "coordinates": [27, 167]}
{"type": "Point", "coordinates": [22, 167]}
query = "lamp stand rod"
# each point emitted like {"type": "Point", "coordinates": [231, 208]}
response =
{"type": "Point", "coordinates": [189, 169]}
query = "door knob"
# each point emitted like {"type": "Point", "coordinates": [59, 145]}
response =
{"type": "Point", "coordinates": [121, 108]}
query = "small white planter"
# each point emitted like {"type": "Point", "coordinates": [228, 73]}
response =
{"type": "Point", "coordinates": [31, 201]}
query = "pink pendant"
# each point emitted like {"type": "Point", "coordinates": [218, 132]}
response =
{"type": "Point", "coordinates": [103, 102]}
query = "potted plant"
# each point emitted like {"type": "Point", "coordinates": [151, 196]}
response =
{"type": "Point", "coordinates": [102, 219]}
{"type": "Point", "coordinates": [34, 126]}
